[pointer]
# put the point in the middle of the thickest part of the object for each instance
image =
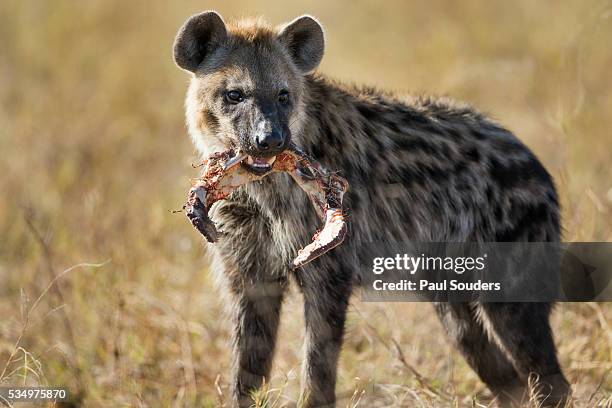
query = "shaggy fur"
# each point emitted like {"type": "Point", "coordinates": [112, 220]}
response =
{"type": "Point", "coordinates": [419, 169]}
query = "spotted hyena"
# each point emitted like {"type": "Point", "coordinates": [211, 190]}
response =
{"type": "Point", "coordinates": [456, 176]}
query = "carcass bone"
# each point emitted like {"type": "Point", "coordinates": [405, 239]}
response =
{"type": "Point", "coordinates": [223, 174]}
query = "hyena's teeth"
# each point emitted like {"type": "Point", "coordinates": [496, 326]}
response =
{"type": "Point", "coordinates": [260, 162]}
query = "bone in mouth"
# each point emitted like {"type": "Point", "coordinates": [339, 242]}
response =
{"type": "Point", "coordinates": [224, 173]}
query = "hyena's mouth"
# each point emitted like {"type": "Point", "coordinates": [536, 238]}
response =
{"type": "Point", "coordinates": [258, 165]}
{"type": "Point", "coordinates": [226, 171]}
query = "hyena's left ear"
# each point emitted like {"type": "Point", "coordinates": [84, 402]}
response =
{"type": "Point", "coordinates": [305, 41]}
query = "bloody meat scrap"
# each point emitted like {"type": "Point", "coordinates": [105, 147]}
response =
{"type": "Point", "coordinates": [223, 174]}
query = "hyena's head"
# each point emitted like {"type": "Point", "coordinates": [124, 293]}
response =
{"type": "Point", "coordinates": [247, 87]}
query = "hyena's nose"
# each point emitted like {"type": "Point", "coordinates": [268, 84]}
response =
{"type": "Point", "coordinates": [270, 142]}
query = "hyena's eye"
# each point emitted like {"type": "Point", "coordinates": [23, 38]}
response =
{"type": "Point", "coordinates": [283, 96]}
{"type": "Point", "coordinates": [234, 96]}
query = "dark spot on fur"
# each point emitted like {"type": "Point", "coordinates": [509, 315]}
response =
{"type": "Point", "coordinates": [417, 119]}
{"type": "Point", "coordinates": [453, 133]}
{"type": "Point", "coordinates": [209, 121]}
{"type": "Point", "coordinates": [353, 201]}
{"type": "Point", "coordinates": [393, 127]}
{"type": "Point", "coordinates": [374, 138]}
{"type": "Point", "coordinates": [464, 187]}
{"type": "Point", "coordinates": [417, 177]}
{"type": "Point", "coordinates": [423, 124]}
{"type": "Point", "coordinates": [369, 112]}
{"type": "Point", "coordinates": [516, 172]}
{"type": "Point", "coordinates": [480, 135]}
{"type": "Point", "coordinates": [498, 213]}
{"type": "Point", "coordinates": [317, 152]}
{"type": "Point", "coordinates": [446, 151]}
{"type": "Point", "coordinates": [459, 168]}
{"type": "Point", "coordinates": [436, 175]}
{"type": "Point", "coordinates": [527, 218]}
{"type": "Point", "coordinates": [328, 134]}
{"type": "Point", "coordinates": [405, 176]}
{"type": "Point", "coordinates": [489, 194]}
{"type": "Point", "coordinates": [414, 144]}
{"type": "Point", "coordinates": [471, 153]}
{"type": "Point", "coordinates": [509, 146]}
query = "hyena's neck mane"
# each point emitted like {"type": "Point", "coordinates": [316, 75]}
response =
{"type": "Point", "coordinates": [361, 124]}
{"type": "Point", "coordinates": [363, 127]}
{"type": "Point", "coordinates": [335, 118]}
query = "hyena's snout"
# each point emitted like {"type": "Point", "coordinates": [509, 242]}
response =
{"type": "Point", "coordinates": [267, 141]}
{"type": "Point", "coordinates": [270, 137]}
{"type": "Point", "coordinates": [270, 143]}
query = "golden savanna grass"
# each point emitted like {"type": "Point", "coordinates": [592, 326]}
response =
{"type": "Point", "coordinates": [94, 155]}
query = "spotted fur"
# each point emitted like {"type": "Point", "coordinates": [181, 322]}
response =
{"type": "Point", "coordinates": [420, 169]}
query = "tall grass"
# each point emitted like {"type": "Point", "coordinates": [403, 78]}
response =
{"type": "Point", "coordinates": [93, 156]}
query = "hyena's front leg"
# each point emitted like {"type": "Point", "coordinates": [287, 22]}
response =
{"type": "Point", "coordinates": [255, 322]}
{"type": "Point", "coordinates": [256, 284]}
{"type": "Point", "coordinates": [326, 297]}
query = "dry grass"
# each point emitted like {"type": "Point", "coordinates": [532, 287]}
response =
{"type": "Point", "coordinates": [93, 155]}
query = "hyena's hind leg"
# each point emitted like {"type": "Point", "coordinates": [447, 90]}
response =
{"type": "Point", "coordinates": [523, 331]}
{"type": "Point", "coordinates": [481, 353]}
{"type": "Point", "coordinates": [256, 286]}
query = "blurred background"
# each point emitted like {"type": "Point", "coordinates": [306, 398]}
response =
{"type": "Point", "coordinates": [106, 291]}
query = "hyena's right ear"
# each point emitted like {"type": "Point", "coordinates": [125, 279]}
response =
{"type": "Point", "coordinates": [197, 38]}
